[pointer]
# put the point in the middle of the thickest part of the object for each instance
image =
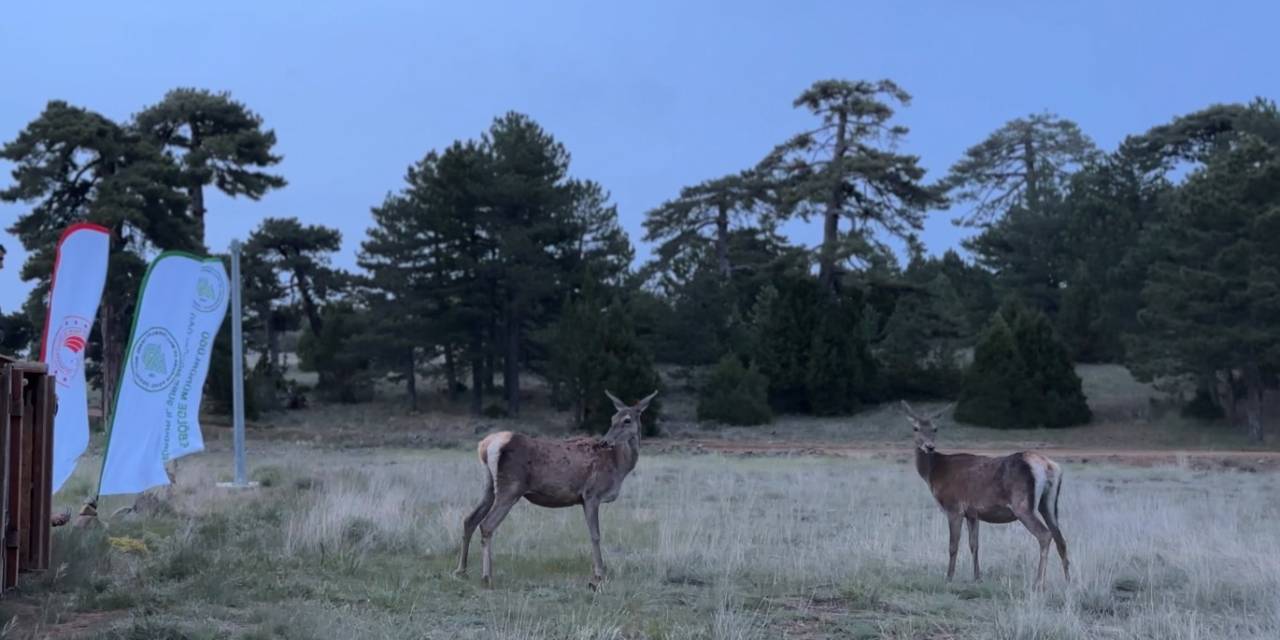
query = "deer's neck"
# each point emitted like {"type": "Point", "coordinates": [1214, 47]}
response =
{"type": "Point", "coordinates": [626, 449]}
{"type": "Point", "coordinates": [925, 463]}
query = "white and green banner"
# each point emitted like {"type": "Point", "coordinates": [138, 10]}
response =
{"type": "Point", "coordinates": [157, 408]}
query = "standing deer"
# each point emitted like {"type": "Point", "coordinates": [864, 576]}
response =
{"type": "Point", "coordinates": [970, 488]}
{"type": "Point", "coordinates": [554, 474]}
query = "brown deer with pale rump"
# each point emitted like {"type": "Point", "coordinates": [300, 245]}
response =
{"type": "Point", "coordinates": [971, 488]}
{"type": "Point", "coordinates": [554, 474]}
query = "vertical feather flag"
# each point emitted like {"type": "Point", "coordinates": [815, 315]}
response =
{"type": "Point", "coordinates": [79, 275]}
{"type": "Point", "coordinates": [157, 407]}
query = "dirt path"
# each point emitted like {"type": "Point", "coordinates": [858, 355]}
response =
{"type": "Point", "coordinates": [1237, 459]}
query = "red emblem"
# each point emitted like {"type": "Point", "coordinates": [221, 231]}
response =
{"type": "Point", "coordinates": [68, 349]}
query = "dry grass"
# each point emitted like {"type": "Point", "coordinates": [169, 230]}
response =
{"type": "Point", "coordinates": [354, 534]}
{"type": "Point", "coordinates": [360, 544]}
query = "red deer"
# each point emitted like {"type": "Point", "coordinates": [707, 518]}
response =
{"type": "Point", "coordinates": [554, 474]}
{"type": "Point", "coordinates": [971, 488]}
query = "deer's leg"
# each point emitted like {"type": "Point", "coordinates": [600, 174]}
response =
{"type": "Point", "coordinates": [591, 508]}
{"type": "Point", "coordinates": [1051, 520]}
{"type": "Point", "coordinates": [1029, 520]}
{"type": "Point", "coordinates": [502, 503]}
{"type": "Point", "coordinates": [973, 546]}
{"type": "Point", "coordinates": [954, 521]}
{"type": "Point", "coordinates": [469, 525]}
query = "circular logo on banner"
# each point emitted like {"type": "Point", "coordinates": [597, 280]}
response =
{"type": "Point", "coordinates": [67, 358]}
{"type": "Point", "coordinates": [210, 289]}
{"type": "Point", "coordinates": [156, 359]}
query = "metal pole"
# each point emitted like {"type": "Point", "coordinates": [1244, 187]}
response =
{"type": "Point", "coordinates": [237, 368]}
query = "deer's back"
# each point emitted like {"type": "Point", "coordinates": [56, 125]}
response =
{"type": "Point", "coordinates": [982, 487]}
{"type": "Point", "coordinates": [551, 473]}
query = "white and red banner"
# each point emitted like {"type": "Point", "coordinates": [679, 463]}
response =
{"type": "Point", "coordinates": [157, 406]}
{"type": "Point", "coordinates": [79, 275]}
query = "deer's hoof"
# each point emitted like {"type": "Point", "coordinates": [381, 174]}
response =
{"type": "Point", "coordinates": [459, 573]}
{"type": "Point", "coordinates": [487, 581]}
{"type": "Point", "coordinates": [596, 583]}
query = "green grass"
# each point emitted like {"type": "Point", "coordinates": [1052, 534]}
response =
{"type": "Point", "coordinates": [362, 544]}
{"type": "Point", "coordinates": [355, 528]}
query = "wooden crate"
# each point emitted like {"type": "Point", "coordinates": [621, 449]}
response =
{"type": "Point", "coordinates": [27, 405]}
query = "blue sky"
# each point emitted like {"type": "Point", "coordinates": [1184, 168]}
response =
{"type": "Point", "coordinates": [647, 96]}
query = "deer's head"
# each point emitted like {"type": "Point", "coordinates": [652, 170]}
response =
{"type": "Point", "coordinates": [627, 418]}
{"type": "Point", "coordinates": [925, 427]}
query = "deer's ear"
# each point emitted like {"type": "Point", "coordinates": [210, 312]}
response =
{"type": "Point", "coordinates": [644, 404]}
{"type": "Point", "coordinates": [617, 404]}
{"type": "Point", "coordinates": [909, 411]}
{"type": "Point", "coordinates": [944, 411]}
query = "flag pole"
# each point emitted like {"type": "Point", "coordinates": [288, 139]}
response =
{"type": "Point", "coordinates": [237, 375]}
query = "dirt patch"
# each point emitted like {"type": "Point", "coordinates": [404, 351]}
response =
{"type": "Point", "coordinates": [26, 614]}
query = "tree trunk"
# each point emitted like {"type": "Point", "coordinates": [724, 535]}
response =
{"type": "Point", "coordinates": [196, 193]}
{"type": "Point", "coordinates": [411, 381]}
{"type": "Point", "coordinates": [490, 358]}
{"type": "Point", "coordinates": [450, 373]}
{"type": "Point", "coordinates": [1033, 178]}
{"type": "Point", "coordinates": [477, 373]}
{"type": "Point", "coordinates": [579, 409]}
{"type": "Point", "coordinates": [1253, 401]}
{"type": "Point", "coordinates": [722, 242]}
{"type": "Point", "coordinates": [108, 365]}
{"type": "Point", "coordinates": [511, 361]}
{"type": "Point", "coordinates": [831, 219]}
{"type": "Point", "coordinates": [1225, 393]}
{"type": "Point", "coordinates": [309, 305]}
{"type": "Point", "coordinates": [272, 346]}
{"type": "Point", "coordinates": [196, 190]}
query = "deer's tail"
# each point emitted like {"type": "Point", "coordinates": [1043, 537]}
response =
{"type": "Point", "coordinates": [490, 452]}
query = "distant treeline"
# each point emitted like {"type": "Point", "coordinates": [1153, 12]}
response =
{"type": "Point", "coordinates": [493, 261]}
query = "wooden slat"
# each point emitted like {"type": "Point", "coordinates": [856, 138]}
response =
{"type": "Point", "coordinates": [13, 463]}
{"type": "Point", "coordinates": [48, 402]}
{"type": "Point", "coordinates": [24, 470]}
{"type": "Point", "coordinates": [34, 396]}
{"type": "Point", "coordinates": [27, 405]}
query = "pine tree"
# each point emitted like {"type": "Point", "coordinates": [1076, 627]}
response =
{"type": "Point", "coordinates": [841, 373]}
{"type": "Point", "coordinates": [786, 329]}
{"type": "Point", "coordinates": [735, 395]}
{"type": "Point", "coordinates": [593, 348]}
{"type": "Point", "coordinates": [1056, 396]}
{"type": "Point", "coordinates": [405, 318]}
{"type": "Point", "coordinates": [1017, 166]}
{"type": "Point", "coordinates": [1212, 299]}
{"type": "Point", "coordinates": [848, 168]}
{"type": "Point", "coordinates": [1029, 252]}
{"type": "Point", "coordinates": [300, 254]}
{"type": "Point", "coordinates": [993, 392]}
{"type": "Point", "coordinates": [681, 225]}
{"type": "Point", "coordinates": [219, 142]}
{"type": "Point", "coordinates": [1021, 376]}
{"type": "Point", "coordinates": [75, 165]}
{"type": "Point", "coordinates": [335, 353]}
{"type": "Point", "coordinates": [921, 340]}
{"type": "Point", "coordinates": [1080, 319]}
{"type": "Point", "coordinates": [446, 192]}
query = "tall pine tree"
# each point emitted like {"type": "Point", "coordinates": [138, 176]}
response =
{"type": "Point", "coordinates": [847, 169]}
{"type": "Point", "coordinates": [218, 142]}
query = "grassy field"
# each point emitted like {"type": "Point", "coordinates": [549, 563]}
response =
{"type": "Point", "coordinates": [360, 544]}
{"type": "Point", "coordinates": [355, 529]}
